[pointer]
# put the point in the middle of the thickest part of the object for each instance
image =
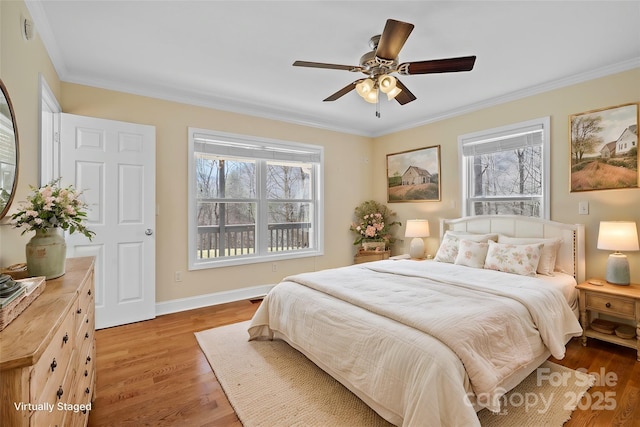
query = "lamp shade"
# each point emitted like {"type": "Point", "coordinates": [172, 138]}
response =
{"type": "Point", "coordinates": [386, 83]}
{"type": "Point", "coordinates": [618, 236]}
{"type": "Point", "coordinates": [393, 93]}
{"type": "Point", "coordinates": [417, 228]}
{"type": "Point", "coordinates": [364, 87]}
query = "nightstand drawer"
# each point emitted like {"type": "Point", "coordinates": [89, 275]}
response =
{"type": "Point", "coordinates": [609, 304]}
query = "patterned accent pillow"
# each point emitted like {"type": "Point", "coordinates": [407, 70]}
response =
{"type": "Point", "coordinates": [510, 258]}
{"type": "Point", "coordinates": [472, 254]}
{"type": "Point", "coordinates": [448, 250]}
{"type": "Point", "coordinates": [547, 264]}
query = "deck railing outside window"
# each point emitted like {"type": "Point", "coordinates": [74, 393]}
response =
{"type": "Point", "coordinates": [240, 239]}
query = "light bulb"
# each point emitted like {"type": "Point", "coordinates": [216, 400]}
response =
{"type": "Point", "coordinates": [387, 83]}
{"type": "Point", "coordinates": [371, 96]}
{"type": "Point", "coordinates": [364, 87]}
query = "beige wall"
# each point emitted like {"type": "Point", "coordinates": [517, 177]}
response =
{"type": "Point", "coordinates": [559, 104]}
{"type": "Point", "coordinates": [348, 178]}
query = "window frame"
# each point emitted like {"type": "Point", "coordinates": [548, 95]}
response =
{"type": "Point", "coordinates": [262, 220]}
{"type": "Point", "coordinates": [503, 132]}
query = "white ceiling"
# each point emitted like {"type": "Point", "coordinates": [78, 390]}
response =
{"type": "Point", "coordinates": [237, 55]}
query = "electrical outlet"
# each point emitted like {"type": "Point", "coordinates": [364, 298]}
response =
{"type": "Point", "coordinates": [178, 276]}
{"type": "Point", "coordinates": [274, 267]}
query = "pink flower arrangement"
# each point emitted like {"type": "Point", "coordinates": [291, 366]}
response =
{"type": "Point", "coordinates": [52, 207]}
{"type": "Point", "coordinates": [372, 222]}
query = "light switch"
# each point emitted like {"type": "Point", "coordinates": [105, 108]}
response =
{"type": "Point", "coordinates": [583, 208]}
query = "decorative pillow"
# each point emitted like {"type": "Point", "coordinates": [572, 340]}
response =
{"type": "Point", "coordinates": [517, 259]}
{"type": "Point", "coordinates": [471, 254]}
{"type": "Point", "coordinates": [448, 250]}
{"type": "Point", "coordinates": [547, 264]}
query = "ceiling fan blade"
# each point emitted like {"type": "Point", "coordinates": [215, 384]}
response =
{"type": "Point", "coordinates": [405, 96]}
{"type": "Point", "coordinates": [393, 37]}
{"type": "Point", "coordinates": [345, 90]}
{"type": "Point", "coordinates": [449, 65]}
{"type": "Point", "coordinates": [328, 66]}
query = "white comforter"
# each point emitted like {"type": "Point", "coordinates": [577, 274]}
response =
{"type": "Point", "coordinates": [379, 328]}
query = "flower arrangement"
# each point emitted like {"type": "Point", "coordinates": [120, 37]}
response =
{"type": "Point", "coordinates": [373, 222]}
{"type": "Point", "coordinates": [52, 207]}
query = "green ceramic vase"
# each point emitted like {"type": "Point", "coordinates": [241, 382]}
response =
{"type": "Point", "coordinates": [47, 253]}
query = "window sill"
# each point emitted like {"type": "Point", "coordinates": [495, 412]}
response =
{"type": "Point", "coordinates": [230, 262]}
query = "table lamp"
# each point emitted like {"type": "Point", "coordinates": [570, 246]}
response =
{"type": "Point", "coordinates": [417, 228]}
{"type": "Point", "coordinates": [618, 236]}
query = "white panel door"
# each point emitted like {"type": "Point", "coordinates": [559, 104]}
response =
{"type": "Point", "coordinates": [113, 164]}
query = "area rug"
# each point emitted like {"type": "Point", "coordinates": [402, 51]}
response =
{"type": "Point", "coordinates": [271, 384]}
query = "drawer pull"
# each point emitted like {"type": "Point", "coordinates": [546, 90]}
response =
{"type": "Point", "coordinates": [86, 373]}
{"type": "Point", "coordinates": [86, 390]}
{"type": "Point", "coordinates": [86, 321]}
{"type": "Point", "coordinates": [65, 338]}
{"type": "Point", "coordinates": [86, 335]}
{"type": "Point", "coordinates": [60, 392]}
{"type": "Point", "coordinates": [88, 359]}
{"type": "Point", "coordinates": [54, 365]}
{"type": "Point", "coordinates": [608, 305]}
{"type": "Point", "coordinates": [79, 311]}
{"type": "Point", "coordinates": [89, 292]}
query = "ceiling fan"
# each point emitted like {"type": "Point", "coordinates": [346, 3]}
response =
{"type": "Point", "coordinates": [382, 60]}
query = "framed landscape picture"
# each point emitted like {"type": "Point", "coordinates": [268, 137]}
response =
{"type": "Point", "coordinates": [604, 148]}
{"type": "Point", "coordinates": [414, 176]}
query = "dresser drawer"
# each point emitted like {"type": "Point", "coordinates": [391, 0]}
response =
{"type": "Point", "coordinates": [50, 370]}
{"type": "Point", "coordinates": [622, 307]}
{"type": "Point", "coordinates": [85, 303]}
{"type": "Point", "coordinates": [56, 394]}
{"type": "Point", "coordinates": [86, 339]}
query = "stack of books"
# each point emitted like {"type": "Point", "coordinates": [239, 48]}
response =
{"type": "Point", "coordinates": [9, 290]}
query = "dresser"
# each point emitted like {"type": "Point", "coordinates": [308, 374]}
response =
{"type": "Point", "coordinates": [47, 354]}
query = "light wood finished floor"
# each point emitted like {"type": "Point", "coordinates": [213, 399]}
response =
{"type": "Point", "coordinates": [153, 374]}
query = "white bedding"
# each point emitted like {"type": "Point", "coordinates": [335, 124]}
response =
{"type": "Point", "coordinates": [413, 329]}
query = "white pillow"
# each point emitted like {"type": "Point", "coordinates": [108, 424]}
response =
{"type": "Point", "coordinates": [448, 250]}
{"type": "Point", "coordinates": [549, 253]}
{"type": "Point", "coordinates": [472, 254]}
{"type": "Point", "coordinates": [517, 259]}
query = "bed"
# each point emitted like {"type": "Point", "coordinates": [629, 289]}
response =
{"type": "Point", "coordinates": [432, 342]}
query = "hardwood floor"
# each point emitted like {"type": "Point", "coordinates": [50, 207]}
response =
{"type": "Point", "coordinates": [153, 374]}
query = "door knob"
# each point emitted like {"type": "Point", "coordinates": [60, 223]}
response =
{"type": "Point", "coordinates": [148, 232]}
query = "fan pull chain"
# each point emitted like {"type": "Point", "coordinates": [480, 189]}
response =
{"type": "Point", "coordinates": [378, 106]}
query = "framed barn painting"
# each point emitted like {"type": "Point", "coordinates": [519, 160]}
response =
{"type": "Point", "coordinates": [604, 148]}
{"type": "Point", "coordinates": [414, 176]}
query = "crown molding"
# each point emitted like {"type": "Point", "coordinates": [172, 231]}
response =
{"type": "Point", "coordinates": [268, 111]}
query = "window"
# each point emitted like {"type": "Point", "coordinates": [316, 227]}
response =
{"type": "Point", "coordinates": [252, 199]}
{"type": "Point", "coordinates": [506, 170]}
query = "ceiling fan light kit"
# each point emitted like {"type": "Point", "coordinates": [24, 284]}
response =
{"type": "Point", "coordinates": [382, 60]}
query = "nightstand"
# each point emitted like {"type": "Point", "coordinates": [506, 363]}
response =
{"type": "Point", "coordinates": [619, 302]}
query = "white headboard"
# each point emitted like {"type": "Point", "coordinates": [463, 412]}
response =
{"type": "Point", "coordinates": [571, 255]}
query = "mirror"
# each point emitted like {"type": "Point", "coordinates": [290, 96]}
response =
{"type": "Point", "coordinates": [8, 152]}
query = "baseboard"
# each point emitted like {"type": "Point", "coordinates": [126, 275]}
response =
{"type": "Point", "coordinates": [183, 304]}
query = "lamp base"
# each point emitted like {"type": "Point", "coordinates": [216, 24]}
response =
{"type": "Point", "coordinates": [618, 269]}
{"type": "Point", "coordinates": [416, 250]}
